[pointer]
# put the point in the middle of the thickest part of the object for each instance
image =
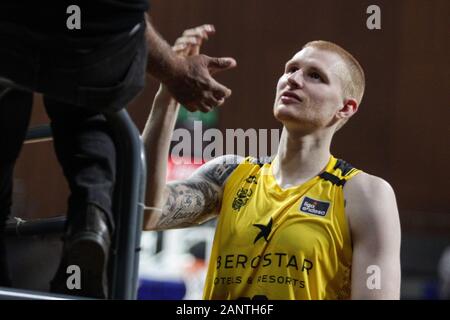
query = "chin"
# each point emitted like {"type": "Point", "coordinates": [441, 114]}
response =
{"type": "Point", "coordinates": [292, 120]}
{"type": "Point", "coordinates": [285, 113]}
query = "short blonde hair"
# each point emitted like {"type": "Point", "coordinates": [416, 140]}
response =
{"type": "Point", "coordinates": [356, 81]}
{"type": "Point", "coordinates": [354, 88]}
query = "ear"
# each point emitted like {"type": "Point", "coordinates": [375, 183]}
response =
{"type": "Point", "coordinates": [349, 107]}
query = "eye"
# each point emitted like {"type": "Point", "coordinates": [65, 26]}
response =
{"type": "Point", "coordinates": [291, 69]}
{"type": "Point", "coordinates": [316, 76]}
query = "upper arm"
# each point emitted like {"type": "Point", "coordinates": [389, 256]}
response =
{"type": "Point", "coordinates": [196, 199]}
{"type": "Point", "coordinates": [373, 217]}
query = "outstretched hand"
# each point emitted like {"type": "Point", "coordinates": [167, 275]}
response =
{"type": "Point", "coordinates": [193, 86]}
{"type": "Point", "coordinates": [190, 42]}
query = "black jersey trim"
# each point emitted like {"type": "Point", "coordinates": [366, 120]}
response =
{"type": "Point", "coordinates": [332, 178]}
{"type": "Point", "coordinates": [344, 166]}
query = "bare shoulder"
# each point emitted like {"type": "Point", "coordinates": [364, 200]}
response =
{"type": "Point", "coordinates": [370, 203]}
{"type": "Point", "coordinates": [219, 169]}
{"type": "Point", "coordinates": [367, 186]}
{"type": "Point", "coordinates": [372, 213]}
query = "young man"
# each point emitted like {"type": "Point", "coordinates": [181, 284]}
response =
{"type": "Point", "coordinates": [304, 226]}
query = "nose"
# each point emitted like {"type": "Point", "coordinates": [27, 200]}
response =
{"type": "Point", "coordinates": [295, 79]}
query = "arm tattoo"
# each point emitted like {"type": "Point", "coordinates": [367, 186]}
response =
{"type": "Point", "coordinates": [189, 204]}
{"type": "Point", "coordinates": [220, 172]}
{"type": "Point", "coordinates": [198, 199]}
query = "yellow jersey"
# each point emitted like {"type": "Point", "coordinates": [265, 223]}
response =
{"type": "Point", "coordinates": [281, 244]}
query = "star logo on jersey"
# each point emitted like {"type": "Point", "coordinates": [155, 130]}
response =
{"type": "Point", "coordinates": [265, 231]}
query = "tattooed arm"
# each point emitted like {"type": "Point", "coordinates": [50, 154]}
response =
{"type": "Point", "coordinates": [195, 200]}
{"type": "Point", "coordinates": [182, 203]}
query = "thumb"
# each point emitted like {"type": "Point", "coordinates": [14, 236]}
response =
{"type": "Point", "coordinates": [220, 64]}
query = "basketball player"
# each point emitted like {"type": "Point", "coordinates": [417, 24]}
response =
{"type": "Point", "coordinates": [304, 226]}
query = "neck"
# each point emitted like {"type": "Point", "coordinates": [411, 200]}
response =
{"type": "Point", "coordinates": [300, 157]}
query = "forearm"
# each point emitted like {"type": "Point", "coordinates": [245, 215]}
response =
{"type": "Point", "coordinates": [157, 136]}
{"type": "Point", "coordinates": [187, 203]}
{"type": "Point", "coordinates": [162, 62]}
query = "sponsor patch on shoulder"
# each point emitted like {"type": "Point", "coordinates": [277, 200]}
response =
{"type": "Point", "coordinates": [316, 207]}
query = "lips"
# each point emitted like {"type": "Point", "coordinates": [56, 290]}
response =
{"type": "Point", "coordinates": [291, 95]}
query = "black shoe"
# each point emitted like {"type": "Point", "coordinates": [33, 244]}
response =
{"type": "Point", "coordinates": [87, 243]}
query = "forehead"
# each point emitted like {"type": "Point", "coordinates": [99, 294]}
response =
{"type": "Point", "coordinates": [329, 62]}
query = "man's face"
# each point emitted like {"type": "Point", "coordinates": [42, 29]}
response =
{"type": "Point", "coordinates": [309, 93]}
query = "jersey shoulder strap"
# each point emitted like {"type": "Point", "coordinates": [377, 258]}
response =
{"type": "Point", "coordinates": [340, 173]}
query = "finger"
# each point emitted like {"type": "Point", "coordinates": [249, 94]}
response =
{"type": "Point", "coordinates": [179, 47]}
{"type": "Point", "coordinates": [209, 28]}
{"type": "Point", "coordinates": [210, 100]}
{"type": "Point", "coordinates": [198, 105]}
{"type": "Point", "coordinates": [186, 45]}
{"type": "Point", "coordinates": [205, 108]}
{"type": "Point", "coordinates": [188, 40]}
{"type": "Point", "coordinates": [219, 91]}
{"type": "Point", "coordinates": [192, 45]}
{"type": "Point", "coordinates": [206, 30]}
{"type": "Point", "coordinates": [181, 50]}
{"type": "Point", "coordinates": [194, 38]}
{"type": "Point", "coordinates": [201, 32]}
{"type": "Point", "coordinates": [221, 102]}
{"type": "Point", "coordinates": [191, 106]}
{"type": "Point", "coordinates": [194, 50]}
{"type": "Point", "coordinates": [220, 64]}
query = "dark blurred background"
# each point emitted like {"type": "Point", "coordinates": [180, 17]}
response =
{"type": "Point", "coordinates": [400, 133]}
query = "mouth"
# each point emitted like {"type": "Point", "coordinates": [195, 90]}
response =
{"type": "Point", "coordinates": [289, 96]}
